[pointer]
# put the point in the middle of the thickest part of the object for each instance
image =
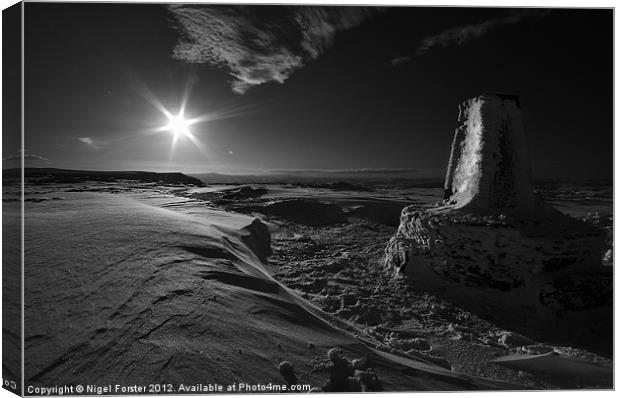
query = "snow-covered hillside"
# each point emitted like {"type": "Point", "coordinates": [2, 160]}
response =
{"type": "Point", "coordinates": [143, 287]}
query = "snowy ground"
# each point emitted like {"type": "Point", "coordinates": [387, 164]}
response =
{"type": "Point", "coordinates": [142, 283]}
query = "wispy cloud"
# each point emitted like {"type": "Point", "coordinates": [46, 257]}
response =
{"type": "Point", "coordinates": [399, 60]}
{"type": "Point", "coordinates": [463, 34]}
{"type": "Point", "coordinates": [259, 44]}
{"type": "Point", "coordinates": [89, 141]}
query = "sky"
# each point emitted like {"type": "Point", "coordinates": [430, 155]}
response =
{"type": "Point", "coordinates": [296, 88]}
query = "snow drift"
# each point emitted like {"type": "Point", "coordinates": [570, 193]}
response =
{"type": "Point", "coordinates": [151, 288]}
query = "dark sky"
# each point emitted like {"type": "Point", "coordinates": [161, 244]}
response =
{"type": "Point", "coordinates": [309, 88]}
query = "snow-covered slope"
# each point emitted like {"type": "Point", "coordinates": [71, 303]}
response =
{"type": "Point", "coordinates": [149, 288]}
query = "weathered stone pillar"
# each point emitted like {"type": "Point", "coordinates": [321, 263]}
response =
{"type": "Point", "coordinates": [489, 167]}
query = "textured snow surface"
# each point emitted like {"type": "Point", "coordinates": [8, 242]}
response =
{"type": "Point", "coordinates": [148, 288]}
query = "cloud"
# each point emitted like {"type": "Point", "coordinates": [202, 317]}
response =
{"type": "Point", "coordinates": [89, 141]}
{"type": "Point", "coordinates": [27, 157]}
{"type": "Point", "coordinates": [259, 44]}
{"type": "Point", "coordinates": [399, 60]}
{"type": "Point", "coordinates": [466, 33]}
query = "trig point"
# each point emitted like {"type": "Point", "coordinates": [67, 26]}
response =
{"type": "Point", "coordinates": [489, 167]}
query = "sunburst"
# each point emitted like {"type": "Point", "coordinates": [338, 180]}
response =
{"type": "Point", "coordinates": [179, 126]}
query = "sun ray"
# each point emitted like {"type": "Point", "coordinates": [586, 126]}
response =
{"type": "Point", "coordinates": [201, 147]}
{"type": "Point", "coordinates": [148, 95]}
{"type": "Point", "coordinates": [186, 94]}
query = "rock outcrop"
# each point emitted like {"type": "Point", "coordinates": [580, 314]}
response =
{"type": "Point", "coordinates": [302, 211]}
{"type": "Point", "coordinates": [496, 248]}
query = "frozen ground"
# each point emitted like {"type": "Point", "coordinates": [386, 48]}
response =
{"type": "Point", "coordinates": [141, 282]}
{"type": "Point", "coordinates": [126, 283]}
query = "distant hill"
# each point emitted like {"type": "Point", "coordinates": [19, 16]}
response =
{"type": "Point", "coordinates": [312, 178]}
{"type": "Point", "coordinates": [369, 179]}
{"type": "Point", "coordinates": [50, 175]}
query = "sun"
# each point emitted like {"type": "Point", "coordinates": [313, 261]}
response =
{"type": "Point", "coordinates": [178, 125]}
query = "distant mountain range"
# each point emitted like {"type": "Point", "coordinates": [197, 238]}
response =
{"type": "Point", "coordinates": [371, 176]}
